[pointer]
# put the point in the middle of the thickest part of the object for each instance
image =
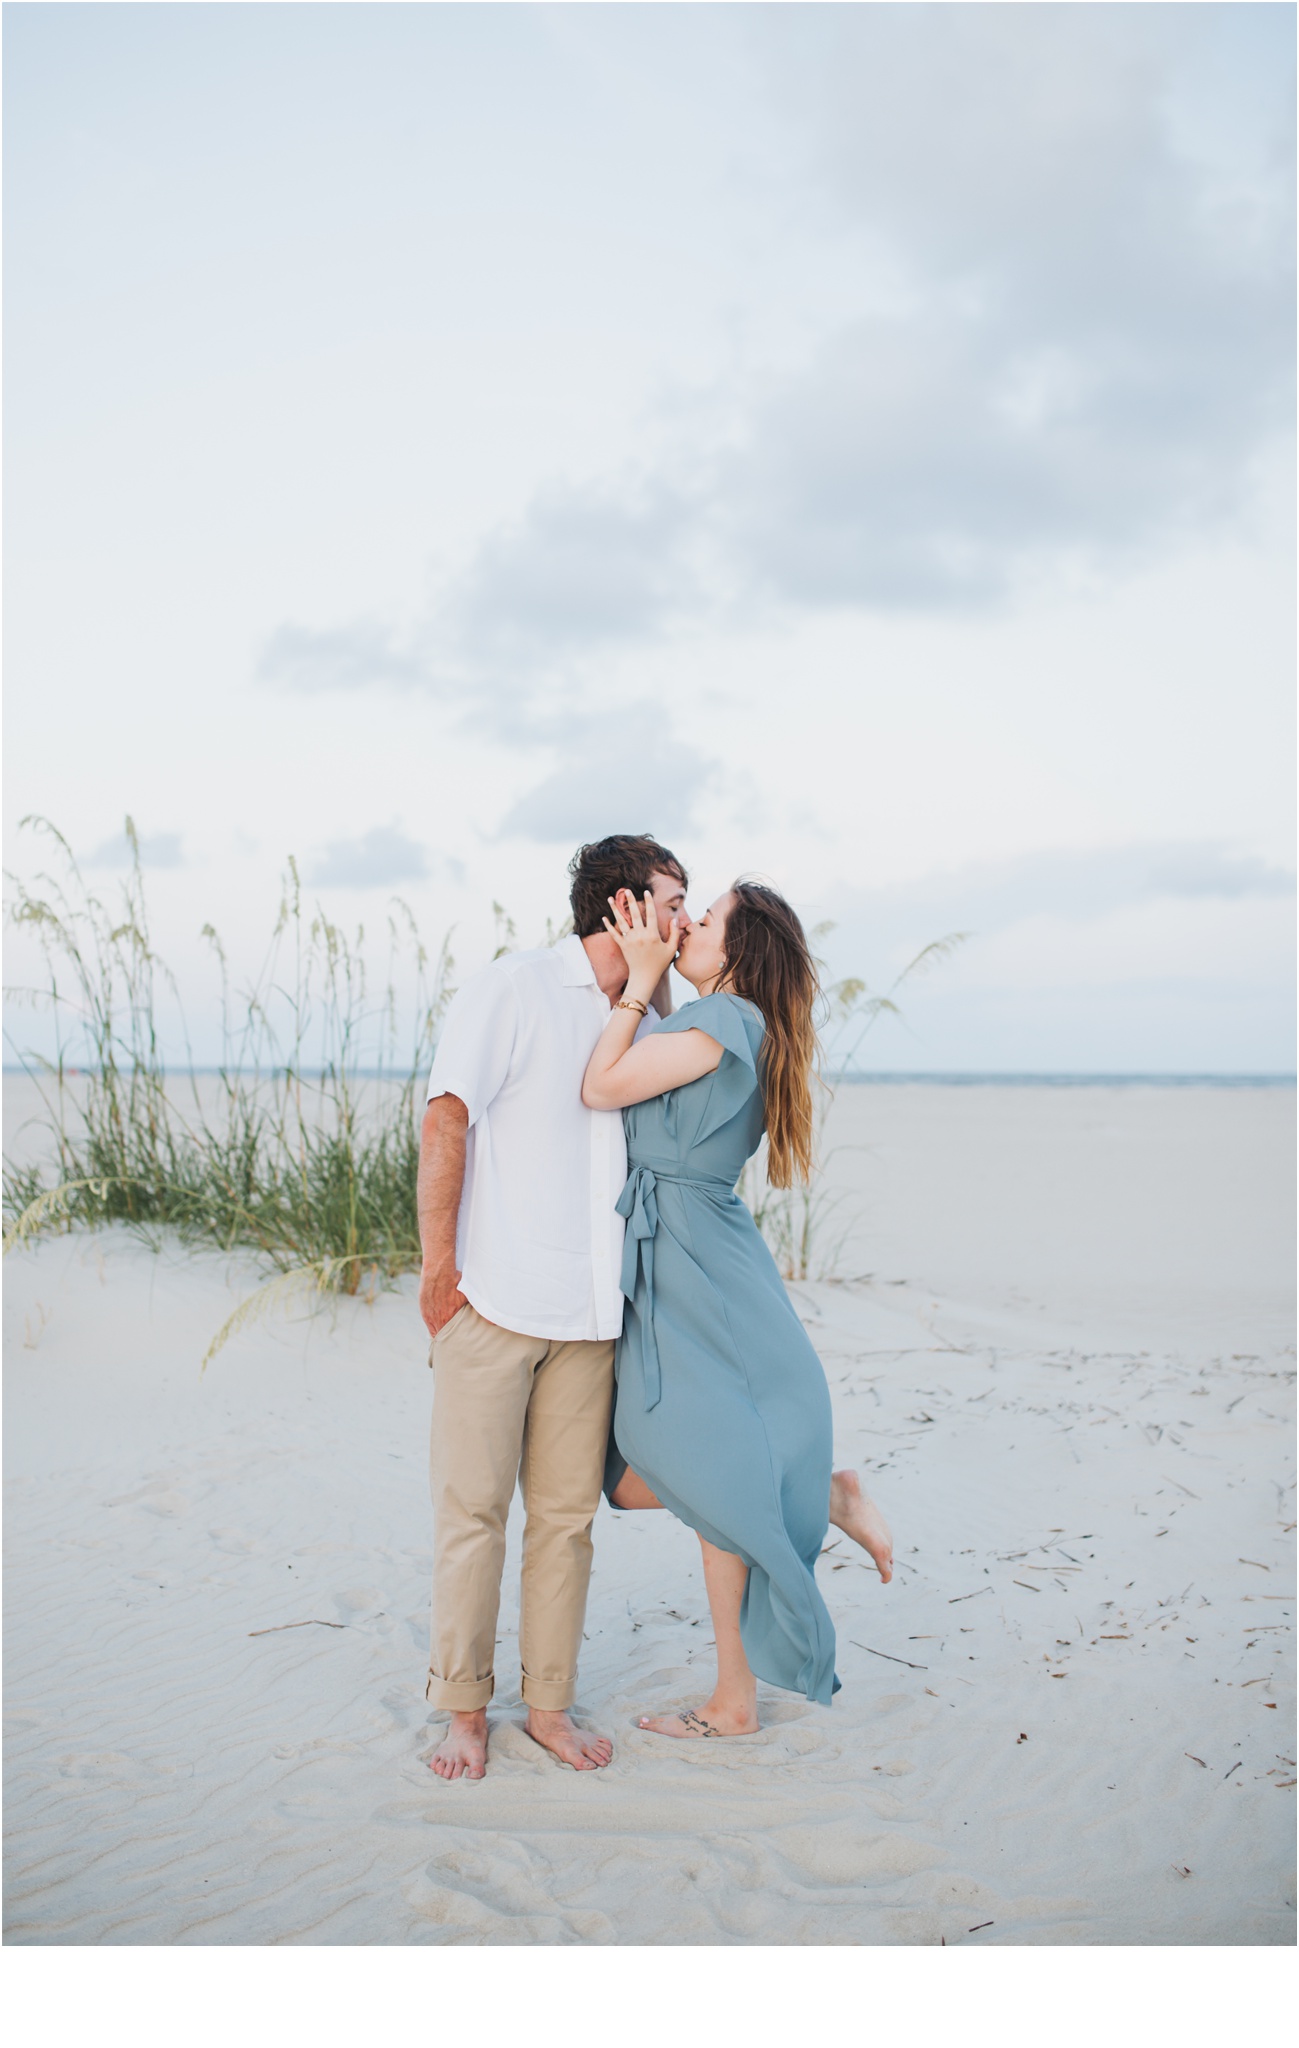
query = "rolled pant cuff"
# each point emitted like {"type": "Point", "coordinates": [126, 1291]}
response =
{"type": "Point", "coordinates": [552, 1695]}
{"type": "Point", "coordinates": [459, 1695]}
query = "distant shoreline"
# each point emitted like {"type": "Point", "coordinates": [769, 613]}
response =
{"type": "Point", "coordinates": [875, 1079]}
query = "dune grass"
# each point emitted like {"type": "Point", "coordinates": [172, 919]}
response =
{"type": "Point", "coordinates": [302, 1146]}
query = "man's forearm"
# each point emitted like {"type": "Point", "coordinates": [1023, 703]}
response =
{"type": "Point", "coordinates": [437, 1204]}
{"type": "Point", "coordinates": [441, 1180]}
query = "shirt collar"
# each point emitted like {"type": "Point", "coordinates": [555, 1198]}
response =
{"type": "Point", "coordinates": [575, 964]}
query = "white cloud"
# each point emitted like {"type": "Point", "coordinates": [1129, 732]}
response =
{"type": "Point", "coordinates": [355, 656]}
{"type": "Point", "coordinates": [379, 858]}
{"type": "Point", "coordinates": [1090, 352]}
{"type": "Point", "coordinates": [887, 925]}
{"type": "Point", "coordinates": [624, 771]}
{"type": "Point", "coordinates": [157, 850]}
{"type": "Point", "coordinates": [583, 568]}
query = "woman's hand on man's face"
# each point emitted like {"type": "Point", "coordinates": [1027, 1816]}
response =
{"type": "Point", "coordinates": [648, 956]}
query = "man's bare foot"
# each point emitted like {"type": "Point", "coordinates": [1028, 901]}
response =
{"type": "Point", "coordinates": [555, 1732]}
{"type": "Point", "coordinates": [715, 1717]}
{"type": "Point", "coordinates": [462, 1752]}
{"type": "Point", "coordinates": [853, 1512]}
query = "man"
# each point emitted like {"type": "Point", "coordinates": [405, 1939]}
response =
{"type": "Point", "coordinates": [519, 1290]}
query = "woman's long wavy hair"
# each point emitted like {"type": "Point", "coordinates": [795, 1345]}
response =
{"type": "Point", "coordinates": [767, 960]}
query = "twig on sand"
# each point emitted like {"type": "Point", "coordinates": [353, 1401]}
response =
{"type": "Point", "coordinates": [887, 1653]}
{"type": "Point", "coordinates": [1235, 1767]}
{"type": "Point", "coordinates": [1196, 1759]}
{"type": "Point", "coordinates": [1254, 1561]}
{"type": "Point", "coordinates": [982, 1924]}
{"type": "Point", "coordinates": [1025, 1584]}
{"type": "Point", "coordinates": [957, 1598]}
{"type": "Point", "coordinates": [295, 1624]}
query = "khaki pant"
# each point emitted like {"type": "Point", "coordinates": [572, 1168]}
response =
{"type": "Point", "coordinates": [505, 1408]}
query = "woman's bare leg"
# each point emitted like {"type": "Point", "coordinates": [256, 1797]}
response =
{"type": "Point", "coordinates": [857, 1515]}
{"type": "Point", "coordinates": [632, 1492]}
{"type": "Point", "coordinates": [850, 1510]}
{"type": "Point", "coordinates": [733, 1707]}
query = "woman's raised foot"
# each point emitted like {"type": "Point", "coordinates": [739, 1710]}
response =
{"type": "Point", "coordinates": [857, 1515]}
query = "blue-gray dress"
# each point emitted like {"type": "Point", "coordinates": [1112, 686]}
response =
{"type": "Point", "coordinates": [722, 1406]}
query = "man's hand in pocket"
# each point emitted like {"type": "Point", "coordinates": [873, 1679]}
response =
{"type": "Point", "coordinates": [439, 1297]}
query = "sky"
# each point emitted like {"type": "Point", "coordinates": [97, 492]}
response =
{"type": "Point", "coordinates": [852, 442]}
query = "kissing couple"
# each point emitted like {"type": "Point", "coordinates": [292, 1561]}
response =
{"type": "Point", "coordinates": [603, 1311]}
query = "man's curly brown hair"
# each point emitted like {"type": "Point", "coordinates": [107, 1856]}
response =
{"type": "Point", "coordinates": [600, 870]}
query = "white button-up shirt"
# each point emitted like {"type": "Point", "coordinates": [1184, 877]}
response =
{"type": "Point", "coordinates": [538, 1244]}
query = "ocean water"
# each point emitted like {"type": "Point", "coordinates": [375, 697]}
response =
{"type": "Point", "coordinates": [892, 1080]}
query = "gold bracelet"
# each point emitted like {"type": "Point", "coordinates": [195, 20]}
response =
{"type": "Point", "coordinates": [632, 1003]}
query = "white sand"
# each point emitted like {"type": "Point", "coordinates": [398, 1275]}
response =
{"type": "Point", "coordinates": [1069, 1716]}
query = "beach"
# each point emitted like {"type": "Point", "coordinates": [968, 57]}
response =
{"type": "Point", "coordinates": [1060, 1351]}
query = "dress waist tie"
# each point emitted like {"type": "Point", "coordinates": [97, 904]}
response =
{"type": "Point", "coordinates": [638, 1206]}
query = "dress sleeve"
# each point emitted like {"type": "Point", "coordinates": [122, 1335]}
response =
{"type": "Point", "coordinates": [473, 1053]}
{"type": "Point", "coordinates": [723, 1018]}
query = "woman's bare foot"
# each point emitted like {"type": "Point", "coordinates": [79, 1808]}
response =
{"type": "Point", "coordinates": [555, 1732]}
{"type": "Point", "coordinates": [715, 1717]}
{"type": "Point", "coordinates": [852, 1511]}
{"type": "Point", "coordinates": [462, 1752]}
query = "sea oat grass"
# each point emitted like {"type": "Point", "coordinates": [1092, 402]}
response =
{"type": "Point", "coordinates": [301, 1147]}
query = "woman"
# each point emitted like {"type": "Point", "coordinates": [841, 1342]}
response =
{"type": "Point", "coordinates": [722, 1412]}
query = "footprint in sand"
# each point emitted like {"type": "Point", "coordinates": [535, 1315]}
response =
{"type": "Point", "coordinates": [148, 1496]}
{"type": "Point", "coordinates": [801, 1742]}
{"type": "Point", "coordinates": [844, 1856]}
{"type": "Point", "coordinates": [775, 1713]}
{"type": "Point", "coordinates": [310, 1806]}
{"type": "Point", "coordinates": [104, 1767]}
{"type": "Point", "coordinates": [169, 1503]}
{"type": "Point", "coordinates": [458, 1911]}
{"type": "Point", "coordinates": [475, 1886]}
{"type": "Point", "coordinates": [358, 1600]}
{"type": "Point", "coordinates": [503, 1866]}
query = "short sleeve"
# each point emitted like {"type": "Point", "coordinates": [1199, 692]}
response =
{"type": "Point", "coordinates": [733, 1023]}
{"type": "Point", "coordinates": [473, 1053]}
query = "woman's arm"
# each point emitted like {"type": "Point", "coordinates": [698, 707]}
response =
{"type": "Point", "coordinates": [620, 1072]}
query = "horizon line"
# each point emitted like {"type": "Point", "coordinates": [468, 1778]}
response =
{"type": "Point", "coordinates": [1010, 1076]}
